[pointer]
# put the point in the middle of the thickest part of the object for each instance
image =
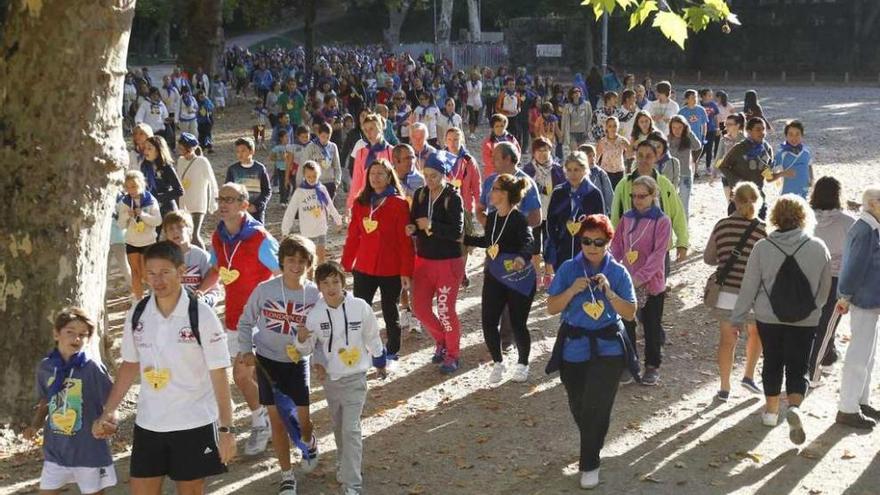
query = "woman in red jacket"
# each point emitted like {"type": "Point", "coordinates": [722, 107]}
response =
{"type": "Point", "coordinates": [378, 250]}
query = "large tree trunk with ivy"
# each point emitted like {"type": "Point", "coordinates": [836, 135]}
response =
{"type": "Point", "coordinates": [397, 12]}
{"type": "Point", "coordinates": [202, 45]}
{"type": "Point", "coordinates": [444, 23]}
{"type": "Point", "coordinates": [58, 176]}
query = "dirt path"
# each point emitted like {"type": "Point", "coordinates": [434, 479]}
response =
{"type": "Point", "coordinates": [430, 434]}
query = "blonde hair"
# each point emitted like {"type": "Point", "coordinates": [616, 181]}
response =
{"type": "Point", "coordinates": [137, 177]}
{"type": "Point", "coordinates": [747, 199]}
{"type": "Point", "coordinates": [648, 183]}
{"type": "Point", "coordinates": [578, 157]}
{"type": "Point", "coordinates": [792, 212]}
{"type": "Point", "coordinates": [241, 189]}
{"type": "Point", "coordinates": [143, 128]}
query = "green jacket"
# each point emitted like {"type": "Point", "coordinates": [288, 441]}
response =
{"type": "Point", "coordinates": [293, 105]}
{"type": "Point", "coordinates": [670, 203]}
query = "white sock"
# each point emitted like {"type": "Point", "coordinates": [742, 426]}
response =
{"type": "Point", "coordinates": [258, 417]}
{"type": "Point", "coordinates": [287, 475]}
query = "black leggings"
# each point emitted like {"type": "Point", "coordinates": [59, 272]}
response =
{"type": "Point", "coordinates": [495, 297]}
{"type": "Point", "coordinates": [591, 388]}
{"type": "Point", "coordinates": [786, 352]}
{"type": "Point", "coordinates": [389, 287]}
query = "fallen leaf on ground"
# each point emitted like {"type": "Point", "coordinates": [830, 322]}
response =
{"type": "Point", "coordinates": [650, 479]}
{"type": "Point", "coordinates": [847, 455]}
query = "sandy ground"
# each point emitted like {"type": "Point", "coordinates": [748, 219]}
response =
{"type": "Point", "coordinates": [426, 433]}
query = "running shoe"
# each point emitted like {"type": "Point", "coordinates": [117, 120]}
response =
{"type": "Point", "coordinates": [590, 479]}
{"type": "Point", "coordinates": [723, 395]}
{"type": "Point", "coordinates": [439, 354]}
{"type": "Point", "coordinates": [626, 378]}
{"type": "Point", "coordinates": [449, 366]}
{"type": "Point", "coordinates": [288, 486]}
{"type": "Point", "coordinates": [795, 426]}
{"type": "Point", "coordinates": [769, 419]}
{"type": "Point", "coordinates": [651, 376]}
{"type": "Point", "coordinates": [750, 385]}
{"type": "Point", "coordinates": [520, 373]}
{"type": "Point", "coordinates": [257, 441]}
{"type": "Point", "coordinates": [497, 373]}
{"type": "Point", "coordinates": [310, 458]}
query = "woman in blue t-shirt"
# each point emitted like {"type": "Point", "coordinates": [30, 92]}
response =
{"type": "Point", "coordinates": [594, 293]}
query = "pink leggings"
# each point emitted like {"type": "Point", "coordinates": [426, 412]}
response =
{"type": "Point", "coordinates": [440, 279]}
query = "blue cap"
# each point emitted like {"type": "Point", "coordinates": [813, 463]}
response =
{"type": "Point", "coordinates": [188, 140]}
{"type": "Point", "coordinates": [441, 161]}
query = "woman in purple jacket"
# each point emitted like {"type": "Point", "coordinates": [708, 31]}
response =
{"type": "Point", "coordinates": [643, 238]}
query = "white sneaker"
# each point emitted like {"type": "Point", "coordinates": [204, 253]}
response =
{"type": "Point", "coordinates": [520, 373]}
{"type": "Point", "coordinates": [769, 419]}
{"type": "Point", "coordinates": [590, 479]}
{"type": "Point", "coordinates": [497, 373]}
{"type": "Point", "coordinates": [256, 443]}
{"type": "Point", "coordinates": [288, 484]}
{"type": "Point", "coordinates": [310, 459]}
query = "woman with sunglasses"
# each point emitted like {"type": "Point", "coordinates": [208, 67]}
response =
{"type": "Point", "coordinates": [595, 294]}
{"type": "Point", "coordinates": [510, 278]}
{"type": "Point", "coordinates": [641, 244]}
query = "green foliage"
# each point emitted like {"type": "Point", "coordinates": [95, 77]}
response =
{"type": "Point", "coordinates": [673, 21]}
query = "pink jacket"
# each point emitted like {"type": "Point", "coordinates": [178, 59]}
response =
{"type": "Point", "coordinates": [359, 171]}
{"type": "Point", "coordinates": [650, 239]}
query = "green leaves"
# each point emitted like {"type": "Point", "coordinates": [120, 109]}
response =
{"type": "Point", "coordinates": [642, 12]}
{"type": "Point", "coordinates": [674, 23]}
{"type": "Point", "coordinates": [672, 26]}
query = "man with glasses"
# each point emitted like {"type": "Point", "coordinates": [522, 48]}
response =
{"type": "Point", "coordinates": [244, 254]}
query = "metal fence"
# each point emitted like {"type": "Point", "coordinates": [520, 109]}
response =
{"type": "Point", "coordinates": [461, 54]}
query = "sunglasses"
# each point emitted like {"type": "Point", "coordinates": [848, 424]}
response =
{"type": "Point", "coordinates": [586, 241]}
{"type": "Point", "coordinates": [639, 196]}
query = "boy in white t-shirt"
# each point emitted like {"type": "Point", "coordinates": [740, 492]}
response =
{"type": "Point", "coordinates": [177, 346]}
{"type": "Point", "coordinates": [663, 108]}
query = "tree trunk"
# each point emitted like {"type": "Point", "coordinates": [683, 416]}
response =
{"type": "Point", "coordinates": [589, 50]}
{"type": "Point", "coordinates": [202, 44]}
{"type": "Point", "coordinates": [474, 20]}
{"type": "Point", "coordinates": [444, 24]}
{"type": "Point", "coordinates": [163, 45]}
{"type": "Point", "coordinates": [59, 177]}
{"type": "Point", "coordinates": [309, 16]}
{"type": "Point", "coordinates": [396, 16]}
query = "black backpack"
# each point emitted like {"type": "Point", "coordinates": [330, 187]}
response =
{"type": "Point", "coordinates": [792, 297]}
{"type": "Point", "coordinates": [192, 310]}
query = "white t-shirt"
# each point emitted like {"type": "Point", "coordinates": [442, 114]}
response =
{"type": "Point", "coordinates": [475, 94]}
{"type": "Point", "coordinates": [428, 116]}
{"type": "Point", "coordinates": [186, 400]}
{"type": "Point", "coordinates": [199, 185]}
{"type": "Point", "coordinates": [660, 111]}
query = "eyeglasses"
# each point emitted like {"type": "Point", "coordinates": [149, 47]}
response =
{"type": "Point", "coordinates": [229, 199]}
{"type": "Point", "coordinates": [586, 241]}
{"type": "Point", "coordinates": [639, 196]}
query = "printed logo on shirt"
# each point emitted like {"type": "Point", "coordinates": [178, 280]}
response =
{"type": "Point", "coordinates": [217, 337]}
{"type": "Point", "coordinates": [65, 408]}
{"type": "Point", "coordinates": [192, 278]}
{"type": "Point", "coordinates": [325, 326]}
{"type": "Point", "coordinates": [186, 336]}
{"type": "Point", "coordinates": [283, 319]}
{"type": "Point", "coordinates": [354, 325]}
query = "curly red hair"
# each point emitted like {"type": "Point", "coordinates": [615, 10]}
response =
{"type": "Point", "coordinates": [600, 223]}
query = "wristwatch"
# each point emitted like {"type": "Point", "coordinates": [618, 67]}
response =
{"type": "Point", "coordinates": [226, 429]}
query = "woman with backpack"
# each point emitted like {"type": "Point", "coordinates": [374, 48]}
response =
{"type": "Point", "coordinates": [787, 279]}
{"type": "Point", "coordinates": [737, 233]}
{"type": "Point", "coordinates": [857, 285]}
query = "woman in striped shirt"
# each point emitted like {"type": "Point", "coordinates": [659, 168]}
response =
{"type": "Point", "coordinates": [724, 239]}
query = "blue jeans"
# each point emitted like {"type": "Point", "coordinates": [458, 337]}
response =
{"type": "Point", "coordinates": [684, 191]}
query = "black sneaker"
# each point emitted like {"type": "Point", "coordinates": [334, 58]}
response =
{"type": "Point", "coordinates": [651, 376]}
{"type": "Point", "coordinates": [855, 420]}
{"type": "Point", "coordinates": [870, 412]}
{"type": "Point", "coordinates": [723, 395]}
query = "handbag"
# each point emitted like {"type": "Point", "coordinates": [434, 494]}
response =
{"type": "Point", "coordinates": [716, 280]}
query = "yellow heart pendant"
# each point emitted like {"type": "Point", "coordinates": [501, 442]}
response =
{"type": "Point", "coordinates": [370, 225]}
{"type": "Point", "coordinates": [573, 227]}
{"type": "Point", "coordinates": [316, 212]}
{"type": "Point", "coordinates": [492, 251]}
{"type": "Point", "coordinates": [768, 174]}
{"type": "Point", "coordinates": [632, 256]}
{"type": "Point", "coordinates": [293, 353]}
{"type": "Point", "coordinates": [350, 356]}
{"type": "Point", "coordinates": [64, 421]}
{"type": "Point", "coordinates": [140, 227]}
{"type": "Point", "coordinates": [228, 276]}
{"type": "Point", "coordinates": [185, 183]}
{"type": "Point", "coordinates": [594, 309]}
{"type": "Point", "coordinates": [457, 183]}
{"type": "Point", "coordinates": [157, 378]}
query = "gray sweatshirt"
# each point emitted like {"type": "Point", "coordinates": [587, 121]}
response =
{"type": "Point", "coordinates": [765, 261]}
{"type": "Point", "coordinates": [831, 227]}
{"type": "Point", "coordinates": [685, 160]}
{"type": "Point", "coordinates": [272, 315]}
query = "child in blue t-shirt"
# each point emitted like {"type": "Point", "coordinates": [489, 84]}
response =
{"type": "Point", "coordinates": [713, 134]}
{"type": "Point", "coordinates": [793, 161]}
{"type": "Point", "coordinates": [72, 390]}
{"type": "Point", "coordinates": [696, 117]}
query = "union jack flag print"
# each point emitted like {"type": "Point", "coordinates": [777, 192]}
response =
{"type": "Point", "coordinates": [284, 319]}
